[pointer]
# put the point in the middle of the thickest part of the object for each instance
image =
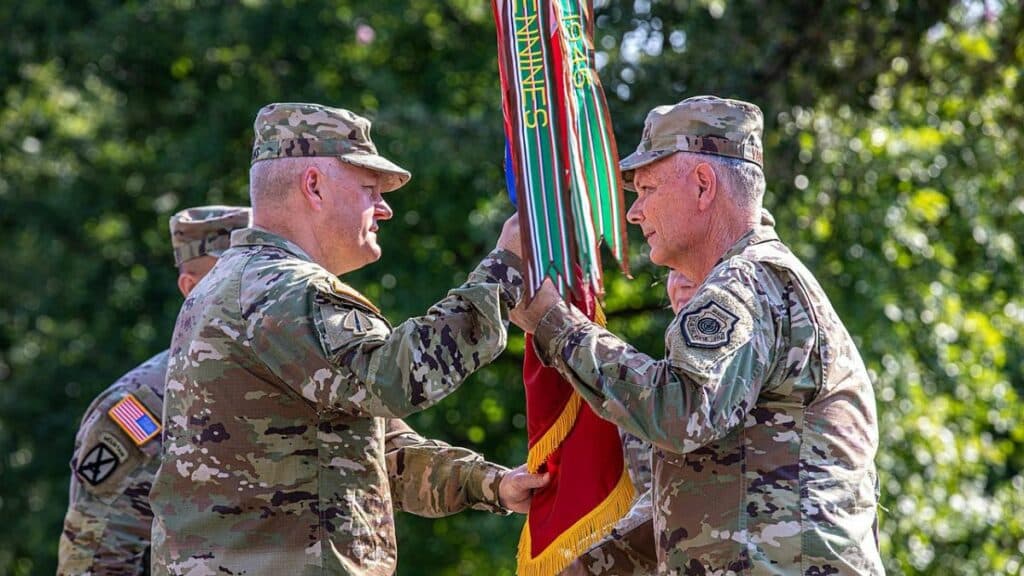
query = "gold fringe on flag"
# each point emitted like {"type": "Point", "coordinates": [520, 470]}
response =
{"type": "Point", "coordinates": [552, 439]}
{"type": "Point", "coordinates": [586, 532]}
{"type": "Point", "coordinates": [554, 436]}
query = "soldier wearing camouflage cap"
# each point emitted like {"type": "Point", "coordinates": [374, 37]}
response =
{"type": "Point", "coordinates": [761, 415]}
{"type": "Point", "coordinates": [117, 448]}
{"type": "Point", "coordinates": [284, 448]}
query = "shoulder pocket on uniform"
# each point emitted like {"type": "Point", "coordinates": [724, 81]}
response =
{"type": "Point", "coordinates": [710, 328]}
{"type": "Point", "coordinates": [342, 323]}
{"type": "Point", "coordinates": [107, 461]}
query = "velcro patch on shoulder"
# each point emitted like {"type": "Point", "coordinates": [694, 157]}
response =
{"type": "Point", "coordinates": [107, 457]}
{"type": "Point", "coordinates": [137, 422]}
{"type": "Point", "coordinates": [711, 327]}
{"type": "Point", "coordinates": [341, 324]}
{"type": "Point", "coordinates": [338, 289]}
{"type": "Point", "coordinates": [98, 464]}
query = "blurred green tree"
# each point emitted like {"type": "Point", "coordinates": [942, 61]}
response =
{"type": "Point", "coordinates": [893, 138]}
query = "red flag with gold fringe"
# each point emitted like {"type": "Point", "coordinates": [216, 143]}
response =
{"type": "Point", "coordinates": [590, 486]}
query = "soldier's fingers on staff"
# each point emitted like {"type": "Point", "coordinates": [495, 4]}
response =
{"type": "Point", "coordinates": [528, 481]}
{"type": "Point", "coordinates": [518, 486]}
{"type": "Point", "coordinates": [531, 315]}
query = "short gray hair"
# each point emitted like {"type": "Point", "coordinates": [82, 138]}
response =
{"type": "Point", "coordinates": [271, 180]}
{"type": "Point", "coordinates": [743, 180]}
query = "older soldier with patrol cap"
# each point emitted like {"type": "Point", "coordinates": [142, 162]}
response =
{"type": "Point", "coordinates": [762, 414]}
{"type": "Point", "coordinates": [117, 448]}
{"type": "Point", "coordinates": [286, 385]}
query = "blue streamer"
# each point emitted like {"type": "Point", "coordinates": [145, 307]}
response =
{"type": "Point", "coordinates": [510, 174]}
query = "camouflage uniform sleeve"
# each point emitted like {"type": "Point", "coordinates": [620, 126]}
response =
{"type": "Point", "coordinates": [719, 347]}
{"type": "Point", "coordinates": [105, 537]}
{"type": "Point", "coordinates": [630, 549]}
{"type": "Point", "coordinates": [637, 452]}
{"type": "Point", "coordinates": [343, 356]}
{"type": "Point", "coordinates": [430, 478]}
{"type": "Point", "coordinates": [108, 522]}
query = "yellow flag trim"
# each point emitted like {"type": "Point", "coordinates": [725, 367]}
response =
{"type": "Point", "coordinates": [553, 438]}
{"type": "Point", "coordinates": [559, 430]}
{"type": "Point", "coordinates": [586, 532]}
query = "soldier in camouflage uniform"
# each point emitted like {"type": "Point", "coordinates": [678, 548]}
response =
{"type": "Point", "coordinates": [285, 385]}
{"type": "Point", "coordinates": [107, 526]}
{"type": "Point", "coordinates": [762, 414]}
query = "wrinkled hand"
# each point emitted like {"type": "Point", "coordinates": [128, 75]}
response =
{"type": "Point", "coordinates": [517, 486]}
{"type": "Point", "coordinates": [528, 317]}
{"type": "Point", "coordinates": [509, 238]}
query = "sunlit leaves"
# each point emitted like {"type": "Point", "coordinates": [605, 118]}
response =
{"type": "Point", "coordinates": [893, 138]}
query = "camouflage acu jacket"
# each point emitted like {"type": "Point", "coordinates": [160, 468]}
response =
{"type": "Point", "coordinates": [280, 384]}
{"type": "Point", "coordinates": [637, 453]}
{"type": "Point", "coordinates": [106, 529]}
{"type": "Point", "coordinates": [762, 417]}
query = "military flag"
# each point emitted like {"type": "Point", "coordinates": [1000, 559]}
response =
{"type": "Point", "coordinates": [561, 169]}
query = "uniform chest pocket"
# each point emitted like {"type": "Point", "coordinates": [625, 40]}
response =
{"type": "Point", "coordinates": [712, 463]}
{"type": "Point", "coordinates": [691, 460]}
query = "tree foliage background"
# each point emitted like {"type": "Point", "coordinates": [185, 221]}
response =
{"type": "Point", "coordinates": [893, 145]}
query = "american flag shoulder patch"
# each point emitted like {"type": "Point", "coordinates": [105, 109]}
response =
{"type": "Point", "coordinates": [137, 422]}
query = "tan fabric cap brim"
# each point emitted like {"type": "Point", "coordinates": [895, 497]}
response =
{"type": "Point", "coordinates": [393, 176]}
{"type": "Point", "coordinates": [637, 160]}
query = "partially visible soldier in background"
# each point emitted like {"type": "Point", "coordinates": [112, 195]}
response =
{"type": "Point", "coordinates": [117, 448]}
{"type": "Point", "coordinates": [637, 451]}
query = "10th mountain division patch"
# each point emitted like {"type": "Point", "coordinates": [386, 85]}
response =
{"type": "Point", "coordinates": [98, 464]}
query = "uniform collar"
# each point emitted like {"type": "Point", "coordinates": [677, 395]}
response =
{"type": "Point", "coordinates": [762, 232]}
{"type": "Point", "coordinates": [259, 237]}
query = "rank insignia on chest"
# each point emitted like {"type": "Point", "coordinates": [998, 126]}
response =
{"type": "Point", "coordinates": [137, 422]}
{"type": "Point", "coordinates": [710, 326]}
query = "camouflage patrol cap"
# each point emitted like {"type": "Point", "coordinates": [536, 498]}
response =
{"type": "Point", "coordinates": [295, 129]}
{"type": "Point", "coordinates": [205, 230]}
{"type": "Point", "coordinates": [701, 124]}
